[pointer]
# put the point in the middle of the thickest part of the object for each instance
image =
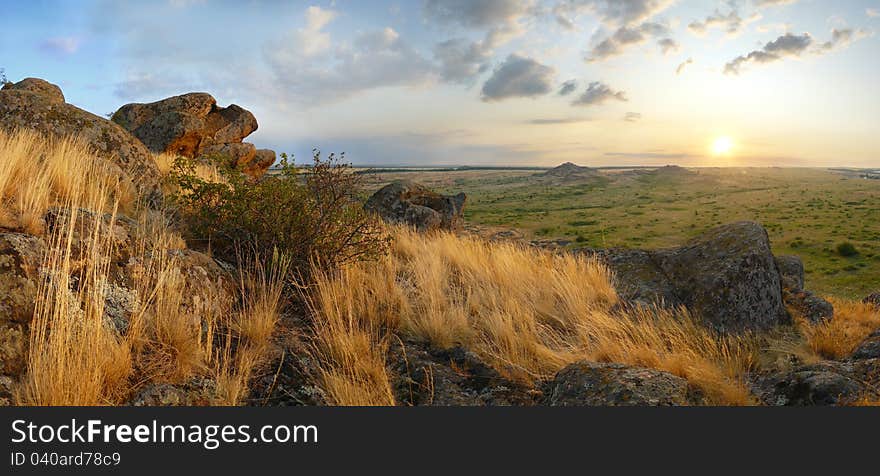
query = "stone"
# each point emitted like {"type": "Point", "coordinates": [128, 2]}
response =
{"type": "Point", "coordinates": [38, 86]}
{"type": "Point", "coordinates": [791, 272]}
{"type": "Point", "coordinates": [198, 392]}
{"type": "Point", "coordinates": [727, 276]}
{"type": "Point", "coordinates": [611, 384]}
{"type": "Point", "coordinates": [192, 125]}
{"type": "Point", "coordinates": [811, 307]}
{"type": "Point", "coordinates": [825, 383]}
{"type": "Point", "coordinates": [869, 348]}
{"type": "Point", "coordinates": [38, 105]}
{"type": "Point", "coordinates": [409, 203]}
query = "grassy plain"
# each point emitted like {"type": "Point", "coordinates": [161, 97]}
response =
{"type": "Point", "coordinates": [808, 212]}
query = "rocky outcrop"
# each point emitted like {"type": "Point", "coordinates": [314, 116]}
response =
{"type": "Point", "coordinates": [791, 272]}
{"type": "Point", "coordinates": [409, 203]}
{"type": "Point", "coordinates": [192, 125]}
{"type": "Point", "coordinates": [197, 392]}
{"type": "Point", "coordinates": [873, 299]}
{"type": "Point", "coordinates": [869, 348]}
{"type": "Point", "coordinates": [727, 276]}
{"type": "Point", "coordinates": [451, 377]}
{"type": "Point", "coordinates": [603, 384]}
{"type": "Point", "coordinates": [36, 104]}
{"type": "Point", "coordinates": [20, 258]}
{"type": "Point", "coordinates": [825, 383]}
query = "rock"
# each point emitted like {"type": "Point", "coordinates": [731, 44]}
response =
{"type": "Point", "coordinates": [602, 384]}
{"type": "Point", "coordinates": [198, 392]}
{"type": "Point", "coordinates": [873, 299]}
{"type": "Point", "coordinates": [6, 391]}
{"type": "Point", "coordinates": [451, 377]}
{"type": "Point", "coordinates": [192, 125]}
{"type": "Point", "coordinates": [38, 86]}
{"type": "Point", "coordinates": [791, 272]}
{"type": "Point", "coordinates": [813, 308]}
{"type": "Point", "coordinates": [869, 348]}
{"type": "Point", "coordinates": [20, 258]}
{"type": "Point", "coordinates": [826, 383]}
{"type": "Point", "coordinates": [263, 159]}
{"type": "Point", "coordinates": [407, 202]}
{"type": "Point", "coordinates": [36, 104]}
{"type": "Point", "coordinates": [727, 276]}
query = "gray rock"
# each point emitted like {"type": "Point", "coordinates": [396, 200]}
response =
{"type": "Point", "coordinates": [599, 384]}
{"type": "Point", "coordinates": [813, 308]}
{"type": "Point", "coordinates": [36, 104]}
{"type": "Point", "coordinates": [869, 348]}
{"type": "Point", "coordinates": [38, 86]}
{"type": "Point", "coordinates": [791, 272]}
{"type": "Point", "coordinates": [407, 202]}
{"type": "Point", "coordinates": [873, 299]}
{"type": "Point", "coordinates": [198, 392]}
{"type": "Point", "coordinates": [727, 276]}
{"type": "Point", "coordinates": [826, 383]}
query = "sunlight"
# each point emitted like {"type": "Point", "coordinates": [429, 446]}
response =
{"type": "Point", "coordinates": [722, 146]}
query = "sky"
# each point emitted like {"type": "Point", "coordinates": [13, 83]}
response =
{"type": "Point", "coordinates": [486, 82]}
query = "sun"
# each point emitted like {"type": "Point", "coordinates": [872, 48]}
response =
{"type": "Point", "coordinates": [722, 145]}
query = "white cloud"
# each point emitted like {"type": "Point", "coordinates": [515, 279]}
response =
{"type": "Point", "coordinates": [788, 45]}
{"type": "Point", "coordinates": [680, 69]}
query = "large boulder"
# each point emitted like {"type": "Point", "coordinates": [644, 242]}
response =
{"type": "Point", "coordinates": [727, 276]}
{"type": "Point", "coordinates": [410, 203]}
{"type": "Point", "coordinates": [36, 104]}
{"type": "Point", "coordinates": [869, 348]}
{"type": "Point", "coordinates": [609, 384]}
{"type": "Point", "coordinates": [192, 125]}
{"type": "Point", "coordinates": [825, 383]}
{"type": "Point", "coordinates": [20, 258]}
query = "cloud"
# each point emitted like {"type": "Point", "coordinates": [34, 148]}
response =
{"type": "Point", "coordinates": [568, 87]}
{"type": "Point", "coordinates": [557, 121]}
{"type": "Point", "coordinates": [61, 46]}
{"type": "Point", "coordinates": [773, 3]}
{"type": "Point", "coordinates": [374, 59]}
{"type": "Point", "coordinates": [680, 69]}
{"type": "Point", "coordinates": [632, 117]}
{"type": "Point", "coordinates": [614, 13]}
{"type": "Point", "coordinates": [598, 93]}
{"type": "Point", "coordinates": [476, 13]}
{"type": "Point", "coordinates": [788, 45]}
{"type": "Point", "coordinates": [732, 23]}
{"type": "Point", "coordinates": [650, 155]}
{"type": "Point", "coordinates": [872, 12]}
{"type": "Point", "coordinates": [625, 37]}
{"type": "Point", "coordinates": [841, 39]}
{"type": "Point", "coordinates": [518, 76]}
{"type": "Point", "coordinates": [461, 60]}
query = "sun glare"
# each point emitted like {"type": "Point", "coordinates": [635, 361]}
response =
{"type": "Point", "coordinates": [722, 145]}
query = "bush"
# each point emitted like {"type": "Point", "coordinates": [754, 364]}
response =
{"type": "Point", "coordinates": [847, 249]}
{"type": "Point", "coordinates": [313, 217]}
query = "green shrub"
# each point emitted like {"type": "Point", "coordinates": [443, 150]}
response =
{"type": "Point", "coordinates": [313, 215]}
{"type": "Point", "coordinates": [847, 249]}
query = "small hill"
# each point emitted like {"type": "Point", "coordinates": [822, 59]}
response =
{"type": "Point", "coordinates": [672, 171]}
{"type": "Point", "coordinates": [570, 171]}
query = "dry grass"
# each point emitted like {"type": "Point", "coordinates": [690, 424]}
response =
{"type": "Point", "coordinates": [37, 173]}
{"type": "Point", "coordinates": [853, 321]}
{"type": "Point", "coordinates": [526, 312]}
{"type": "Point", "coordinates": [77, 356]}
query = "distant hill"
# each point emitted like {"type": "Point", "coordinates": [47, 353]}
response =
{"type": "Point", "coordinates": [570, 170]}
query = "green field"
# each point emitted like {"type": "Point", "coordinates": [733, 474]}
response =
{"type": "Point", "coordinates": [808, 212]}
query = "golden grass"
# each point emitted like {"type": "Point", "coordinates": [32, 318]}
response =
{"type": "Point", "coordinates": [76, 355]}
{"type": "Point", "coordinates": [37, 173]}
{"type": "Point", "coordinates": [853, 321]}
{"type": "Point", "coordinates": [528, 313]}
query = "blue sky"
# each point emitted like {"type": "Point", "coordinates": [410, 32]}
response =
{"type": "Point", "coordinates": [498, 82]}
